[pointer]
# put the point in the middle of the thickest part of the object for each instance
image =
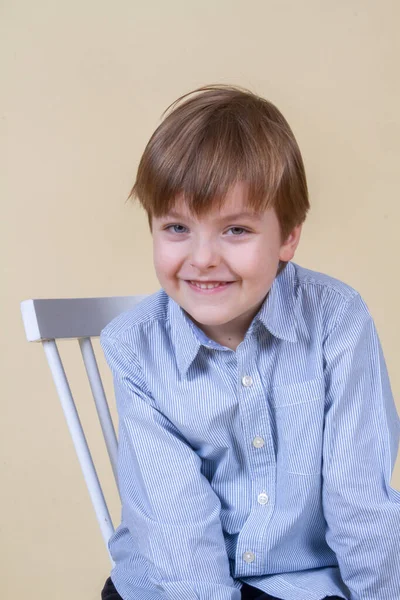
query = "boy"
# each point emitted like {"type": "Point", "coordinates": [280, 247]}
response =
{"type": "Point", "coordinates": [257, 430]}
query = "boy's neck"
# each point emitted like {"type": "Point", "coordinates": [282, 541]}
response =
{"type": "Point", "coordinates": [224, 338]}
{"type": "Point", "coordinates": [229, 334]}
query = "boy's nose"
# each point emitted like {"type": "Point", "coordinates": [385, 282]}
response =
{"type": "Point", "coordinates": [204, 255]}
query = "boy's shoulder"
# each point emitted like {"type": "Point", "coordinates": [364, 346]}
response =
{"type": "Point", "coordinates": [308, 277]}
{"type": "Point", "coordinates": [321, 296]}
{"type": "Point", "coordinates": [149, 310]}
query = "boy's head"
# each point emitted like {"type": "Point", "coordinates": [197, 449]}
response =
{"type": "Point", "coordinates": [222, 151]}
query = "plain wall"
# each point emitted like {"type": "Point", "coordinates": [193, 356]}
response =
{"type": "Point", "coordinates": [83, 87]}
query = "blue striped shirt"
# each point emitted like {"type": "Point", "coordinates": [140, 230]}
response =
{"type": "Point", "coordinates": [269, 465]}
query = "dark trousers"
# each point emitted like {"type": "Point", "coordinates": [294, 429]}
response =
{"type": "Point", "coordinates": [248, 593]}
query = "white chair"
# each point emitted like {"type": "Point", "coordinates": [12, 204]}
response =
{"type": "Point", "coordinates": [47, 320]}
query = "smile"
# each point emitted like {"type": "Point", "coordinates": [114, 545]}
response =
{"type": "Point", "coordinates": [209, 286]}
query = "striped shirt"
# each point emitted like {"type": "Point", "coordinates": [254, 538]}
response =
{"type": "Point", "coordinates": [269, 465]}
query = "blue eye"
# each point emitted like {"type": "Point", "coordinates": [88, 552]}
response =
{"type": "Point", "coordinates": [176, 228]}
{"type": "Point", "coordinates": [238, 231]}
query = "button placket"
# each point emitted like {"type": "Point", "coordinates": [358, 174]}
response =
{"type": "Point", "coordinates": [253, 407]}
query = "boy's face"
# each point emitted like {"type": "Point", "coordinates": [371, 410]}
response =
{"type": "Point", "coordinates": [220, 268]}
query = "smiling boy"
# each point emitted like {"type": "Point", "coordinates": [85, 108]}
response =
{"type": "Point", "coordinates": [219, 273]}
{"type": "Point", "coordinates": [257, 428]}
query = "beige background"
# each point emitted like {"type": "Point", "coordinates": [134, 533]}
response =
{"type": "Point", "coordinates": [83, 87]}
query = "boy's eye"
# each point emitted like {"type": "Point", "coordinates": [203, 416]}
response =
{"type": "Point", "coordinates": [238, 231]}
{"type": "Point", "coordinates": [176, 228]}
{"type": "Point", "coordinates": [180, 229]}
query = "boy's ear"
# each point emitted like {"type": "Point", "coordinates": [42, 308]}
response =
{"type": "Point", "coordinates": [289, 247]}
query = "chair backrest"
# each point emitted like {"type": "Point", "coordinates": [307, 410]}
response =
{"type": "Point", "coordinates": [45, 321]}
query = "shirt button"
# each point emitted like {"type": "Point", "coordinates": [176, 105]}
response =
{"type": "Point", "coordinates": [247, 381]}
{"type": "Point", "coordinates": [249, 556]}
{"type": "Point", "coordinates": [263, 498]}
{"type": "Point", "coordinates": [258, 442]}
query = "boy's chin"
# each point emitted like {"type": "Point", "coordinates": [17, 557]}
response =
{"type": "Point", "coordinates": [207, 319]}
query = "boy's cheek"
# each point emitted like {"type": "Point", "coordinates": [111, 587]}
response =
{"type": "Point", "coordinates": [166, 267]}
{"type": "Point", "coordinates": [160, 269]}
{"type": "Point", "coordinates": [166, 260]}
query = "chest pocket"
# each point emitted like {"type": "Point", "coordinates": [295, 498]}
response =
{"type": "Point", "coordinates": [298, 414]}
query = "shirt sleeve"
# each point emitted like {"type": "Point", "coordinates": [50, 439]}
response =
{"type": "Point", "coordinates": [171, 510]}
{"type": "Point", "coordinates": [361, 438]}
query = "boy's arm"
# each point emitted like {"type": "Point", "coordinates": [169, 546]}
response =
{"type": "Point", "coordinates": [169, 507]}
{"type": "Point", "coordinates": [361, 440]}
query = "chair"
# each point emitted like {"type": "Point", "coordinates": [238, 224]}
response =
{"type": "Point", "coordinates": [46, 320]}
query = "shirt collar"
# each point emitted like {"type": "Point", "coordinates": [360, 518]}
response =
{"type": "Point", "coordinates": [186, 343]}
{"type": "Point", "coordinates": [277, 314]}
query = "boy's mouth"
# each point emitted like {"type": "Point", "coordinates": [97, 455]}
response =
{"type": "Point", "coordinates": [209, 285]}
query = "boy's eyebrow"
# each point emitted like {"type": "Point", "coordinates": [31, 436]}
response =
{"type": "Point", "coordinates": [232, 217]}
{"type": "Point", "coordinates": [242, 215]}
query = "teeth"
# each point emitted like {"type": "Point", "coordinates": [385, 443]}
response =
{"type": "Point", "coordinates": [206, 286]}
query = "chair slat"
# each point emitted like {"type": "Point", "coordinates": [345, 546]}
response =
{"type": "Point", "coordinates": [56, 318]}
{"type": "Point", "coordinates": [100, 400]}
{"type": "Point", "coordinates": [79, 440]}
